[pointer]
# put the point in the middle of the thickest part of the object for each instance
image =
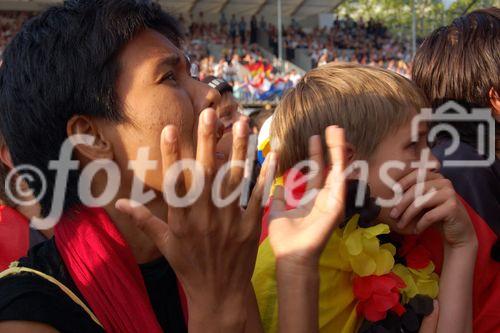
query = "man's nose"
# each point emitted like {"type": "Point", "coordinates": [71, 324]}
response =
{"type": "Point", "coordinates": [206, 97]}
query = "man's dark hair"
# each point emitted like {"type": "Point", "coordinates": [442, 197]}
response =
{"type": "Point", "coordinates": [461, 62]}
{"type": "Point", "coordinates": [64, 63]}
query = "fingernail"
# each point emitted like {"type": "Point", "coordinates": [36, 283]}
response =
{"type": "Point", "coordinates": [315, 139]}
{"type": "Point", "coordinates": [209, 117]}
{"type": "Point", "coordinates": [170, 136]}
{"type": "Point", "coordinates": [394, 213]}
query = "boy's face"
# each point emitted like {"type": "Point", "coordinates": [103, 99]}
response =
{"type": "Point", "coordinates": [398, 147]}
{"type": "Point", "coordinates": [155, 89]}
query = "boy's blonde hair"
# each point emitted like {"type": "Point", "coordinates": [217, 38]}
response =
{"type": "Point", "coordinates": [368, 102]}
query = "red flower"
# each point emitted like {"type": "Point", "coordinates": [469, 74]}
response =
{"type": "Point", "coordinates": [418, 257]}
{"type": "Point", "coordinates": [415, 249]}
{"type": "Point", "coordinates": [377, 295]}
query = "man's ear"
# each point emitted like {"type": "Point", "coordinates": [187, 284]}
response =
{"type": "Point", "coordinates": [5, 156]}
{"type": "Point", "coordinates": [495, 103]}
{"type": "Point", "coordinates": [100, 148]}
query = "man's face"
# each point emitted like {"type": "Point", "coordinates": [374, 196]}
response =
{"type": "Point", "coordinates": [398, 147]}
{"type": "Point", "coordinates": [155, 89]}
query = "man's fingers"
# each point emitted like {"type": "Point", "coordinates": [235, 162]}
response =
{"type": "Point", "coordinates": [207, 140]}
{"type": "Point", "coordinates": [239, 154]}
{"type": "Point", "coordinates": [429, 323]}
{"type": "Point", "coordinates": [169, 156]}
{"type": "Point", "coordinates": [152, 226]}
{"type": "Point", "coordinates": [261, 191]}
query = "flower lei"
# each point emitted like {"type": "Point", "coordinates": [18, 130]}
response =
{"type": "Point", "coordinates": [394, 285]}
{"type": "Point", "coordinates": [390, 294]}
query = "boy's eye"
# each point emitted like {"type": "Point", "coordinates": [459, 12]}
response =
{"type": "Point", "coordinates": [411, 145]}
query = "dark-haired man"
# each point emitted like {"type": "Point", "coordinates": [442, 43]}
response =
{"type": "Point", "coordinates": [113, 71]}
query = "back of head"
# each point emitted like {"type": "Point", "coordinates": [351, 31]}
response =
{"type": "Point", "coordinates": [461, 62]}
{"type": "Point", "coordinates": [368, 102]}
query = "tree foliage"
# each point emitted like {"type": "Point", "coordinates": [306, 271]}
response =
{"type": "Point", "coordinates": [397, 14]}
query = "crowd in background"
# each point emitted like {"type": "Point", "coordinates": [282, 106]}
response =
{"type": "Point", "coordinates": [253, 72]}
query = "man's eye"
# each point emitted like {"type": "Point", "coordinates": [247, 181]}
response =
{"type": "Point", "coordinates": [168, 77]}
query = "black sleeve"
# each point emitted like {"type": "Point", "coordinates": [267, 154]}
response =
{"type": "Point", "coordinates": [27, 297]}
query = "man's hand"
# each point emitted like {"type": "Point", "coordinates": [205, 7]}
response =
{"type": "Point", "coordinates": [212, 250]}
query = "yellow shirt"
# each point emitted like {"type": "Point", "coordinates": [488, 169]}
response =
{"type": "Point", "coordinates": [337, 306]}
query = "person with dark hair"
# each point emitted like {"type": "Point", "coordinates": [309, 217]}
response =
{"type": "Point", "coordinates": [16, 237]}
{"type": "Point", "coordinates": [228, 115]}
{"type": "Point", "coordinates": [111, 70]}
{"type": "Point", "coordinates": [461, 63]}
{"type": "Point", "coordinates": [108, 79]}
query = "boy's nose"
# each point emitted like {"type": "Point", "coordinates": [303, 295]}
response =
{"type": "Point", "coordinates": [433, 159]}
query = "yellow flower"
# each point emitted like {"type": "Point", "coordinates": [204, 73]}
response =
{"type": "Point", "coordinates": [359, 250]}
{"type": "Point", "coordinates": [418, 281]}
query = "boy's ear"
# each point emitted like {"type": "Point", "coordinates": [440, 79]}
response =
{"type": "Point", "coordinates": [5, 156]}
{"type": "Point", "coordinates": [100, 148]}
{"type": "Point", "coordinates": [350, 157]}
{"type": "Point", "coordinates": [495, 103]}
{"type": "Point", "coordinates": [350, 153]}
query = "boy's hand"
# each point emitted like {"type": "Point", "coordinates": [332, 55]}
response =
{"type": "Point", "coordinates": [442, 206]}
{"type": "Point", "coordinates": [298, 236]}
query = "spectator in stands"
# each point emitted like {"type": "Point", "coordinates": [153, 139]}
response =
{"type": "Point", "coordinates": [253, 29]}
{"type": "Point", "coordinates": [228, 115]}
{"type": "Point", "coordinates": [233, 26]}
{"type": "Point", "coordinates": [16, 236]}
{"type": "Point", "coordinates": [222, 22]}
{"type": "Point", "coordinates": [242, 26]}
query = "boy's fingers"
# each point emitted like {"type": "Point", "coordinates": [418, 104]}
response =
{"type": "Point", "coordinates": [437, 214]}
{"type": "Point", "coordinates": [400, 211]}
{"type": "Point", "coordinates": [411, 179]}
{"type": "Point", "coordinates": [278, 204]}
{"type": "Point", "coordinates": [335, 182]}
{"type": "Point", "coordinates": [316, 156]}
